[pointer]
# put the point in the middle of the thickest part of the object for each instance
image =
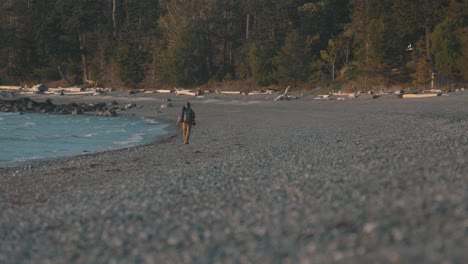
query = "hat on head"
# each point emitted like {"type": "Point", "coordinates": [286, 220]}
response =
{"type": "Point", "coordinates": [188, 104]}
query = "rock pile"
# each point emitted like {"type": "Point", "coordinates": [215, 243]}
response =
{"type": "Point", "coordinates": [27, 105]}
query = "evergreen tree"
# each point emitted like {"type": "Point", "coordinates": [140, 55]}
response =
{"type": "Point", "coordinates": [446, 49]}
{"type": "Point", "coordinates": [79, 19]}
{"type": "Point", "coordinates": [449, 47]}
{"type": "Point", "coordinates": [292, 62]}
{"type": "Point", "coordinates": [136, 32]}
{"type": "Point", "coordinates": [134, 43]}
{"type": "Point", "coordinates": [260, 61]}
{"type": "Point", "coordinates": [186, 32]}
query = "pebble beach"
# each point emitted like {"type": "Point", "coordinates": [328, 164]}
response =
{"type": "Point", "coordinates": [300, 181]}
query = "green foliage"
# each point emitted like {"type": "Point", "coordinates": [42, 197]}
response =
{"type": "Point", "coordinates": [79, 15]}
{"type": "Point", "coordinates": [177, 42]}
{"type": "Point", "coordinates": [260, 59]}
{"type": "Point", "coordinates": [446, 49]}
{"type": "Point", "coordinates": [134, 42]}
{"type": "Point", "coordinates": [186, 32]}
{"type": "Point", "coordinates": [45, 75]}
{"type": "Point", "coordinates": [293, 59]}
{"type": "Point", "coordinates": [131, 71]}
{"type": "Point", "coordinates": [188, 59]}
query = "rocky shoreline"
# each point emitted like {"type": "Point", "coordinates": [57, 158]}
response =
{"type": "Point", "coordinates": [27, 105]}
{"type": "Point", "coordinates": [303, 181]}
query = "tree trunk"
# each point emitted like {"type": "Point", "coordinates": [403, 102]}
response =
{"type": "Point", "coordinates": [428, 45]}
{"type": "Point", "coordinates": [333, 69]}
{"type": "Point", "coordinates": [84, 57]}
{"type": "Point", "coordinates": [225, 42]}
{"type": "Point", "coordinates": [247, 24]}
{"type": "Point", "coordinates": [63, 75]}
{"type": "Point", "coordinates": [114, 16]}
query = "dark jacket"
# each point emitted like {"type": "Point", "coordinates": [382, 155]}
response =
{"type": "Point", "coordinates": [187, 115]}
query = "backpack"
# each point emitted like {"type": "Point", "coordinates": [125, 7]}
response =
{"type": "Point", "coordinates": [188, 115]}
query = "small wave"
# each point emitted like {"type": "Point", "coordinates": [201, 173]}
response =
{"type": "Point", "coordinates": [27, 158]}
{"type": "Point", "coordinates": [27, 124]}
{"type": "Point", "coordinates": [116, 131]}
{"type": "Point", "coordinates": [135, 138]}
{"type": "Point", "coordinates": [150, 121]}
{"type": "Point", "coordinates": [87, 135]}
{"type": "Point", "coordinates": [42, 137]}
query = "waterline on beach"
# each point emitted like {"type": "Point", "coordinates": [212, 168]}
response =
{"type": "Point", "coordinates": [39, 136]}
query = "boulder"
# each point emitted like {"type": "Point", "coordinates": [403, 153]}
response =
{"type": "Point", "coordinates": [166, 105]}
{"type": "Point", "coordinates": [76, 112]}
{"type": "Point", "coordinates": [100, 106]}
{"type": "Point", "coordinates": [106, 113]}
{"type": "Point", "coordinates": [40, 88]}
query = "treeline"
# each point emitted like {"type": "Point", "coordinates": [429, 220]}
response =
{"type": "Point", "coordinates": [157, 43]}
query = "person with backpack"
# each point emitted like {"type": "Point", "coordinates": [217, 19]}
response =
{"type": "Point", "coordinates": [187, 119]}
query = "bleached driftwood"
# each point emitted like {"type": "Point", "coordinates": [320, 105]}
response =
{"type": "Point", "coordinates": [433, 91]}
{"type": "Point", "coordinates": [163, 91]}
{"type": "Point", "coordinates": [230, 92]}
{"type": "Point", "coordinates": [256, 92]}
{"type": "Point", "coordinates": [322, 97]}
{"type": "Point", "coordinates": [349, 95]}
{"type": "Point", "coordinates": [10, 88]}
{"type": "Point", "coordinates": [285, 95]}
{"type": "Point", "coordinates": [72, 89]}
{"type": "Point", "coordinates": [186, 92]}
{"type": "Point", "coordinates": [426, 95]}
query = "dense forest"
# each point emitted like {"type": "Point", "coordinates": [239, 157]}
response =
{"type": "Point", "coordinates": [355, 44]}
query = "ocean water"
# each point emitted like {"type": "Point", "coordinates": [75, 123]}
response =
{"type": "Point", "coordinates": [38, 136]}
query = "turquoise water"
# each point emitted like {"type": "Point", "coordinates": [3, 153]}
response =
{"type": "Point", "coordinates": [38, 136]}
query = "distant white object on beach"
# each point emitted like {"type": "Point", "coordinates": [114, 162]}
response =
{"type": "Point", "coordinates": [433, 91]}
{"type": "Point", "coordinates": [426, 95]}
{"type": "Point", "coordinates": [40, 88]}
{"type": "Point", "coordinates": [322, 97]}
{"type": "Point", "coordinates": [3, 87]}
{"type": "Point", "coordinates": [285, 95]}
{"type": "Point", "coordinates": [230, 92]}
{"type": "Point", "coordinates": [163, 91]}
{"type": "Point", "coordinates": [185, 92]}
{"type": "Point", "coordinates": [130, 106]}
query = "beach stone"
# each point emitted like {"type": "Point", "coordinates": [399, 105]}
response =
{"type": "Point", "coordinates": [130, 106]}
{"type": "Point", "coordinates": [99, 106]}
{"type": "Point", "coordinates": [167, 105]}
{"type": "Point", "coordinates": [108, 113]}
{"type": "Point", "coordinates": [76, 112]}
{"type": "Point", "coordinates": [315, 182]}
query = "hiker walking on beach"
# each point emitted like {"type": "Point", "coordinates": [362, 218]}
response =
{"type": "Point", "coordinates": [187, 118]}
